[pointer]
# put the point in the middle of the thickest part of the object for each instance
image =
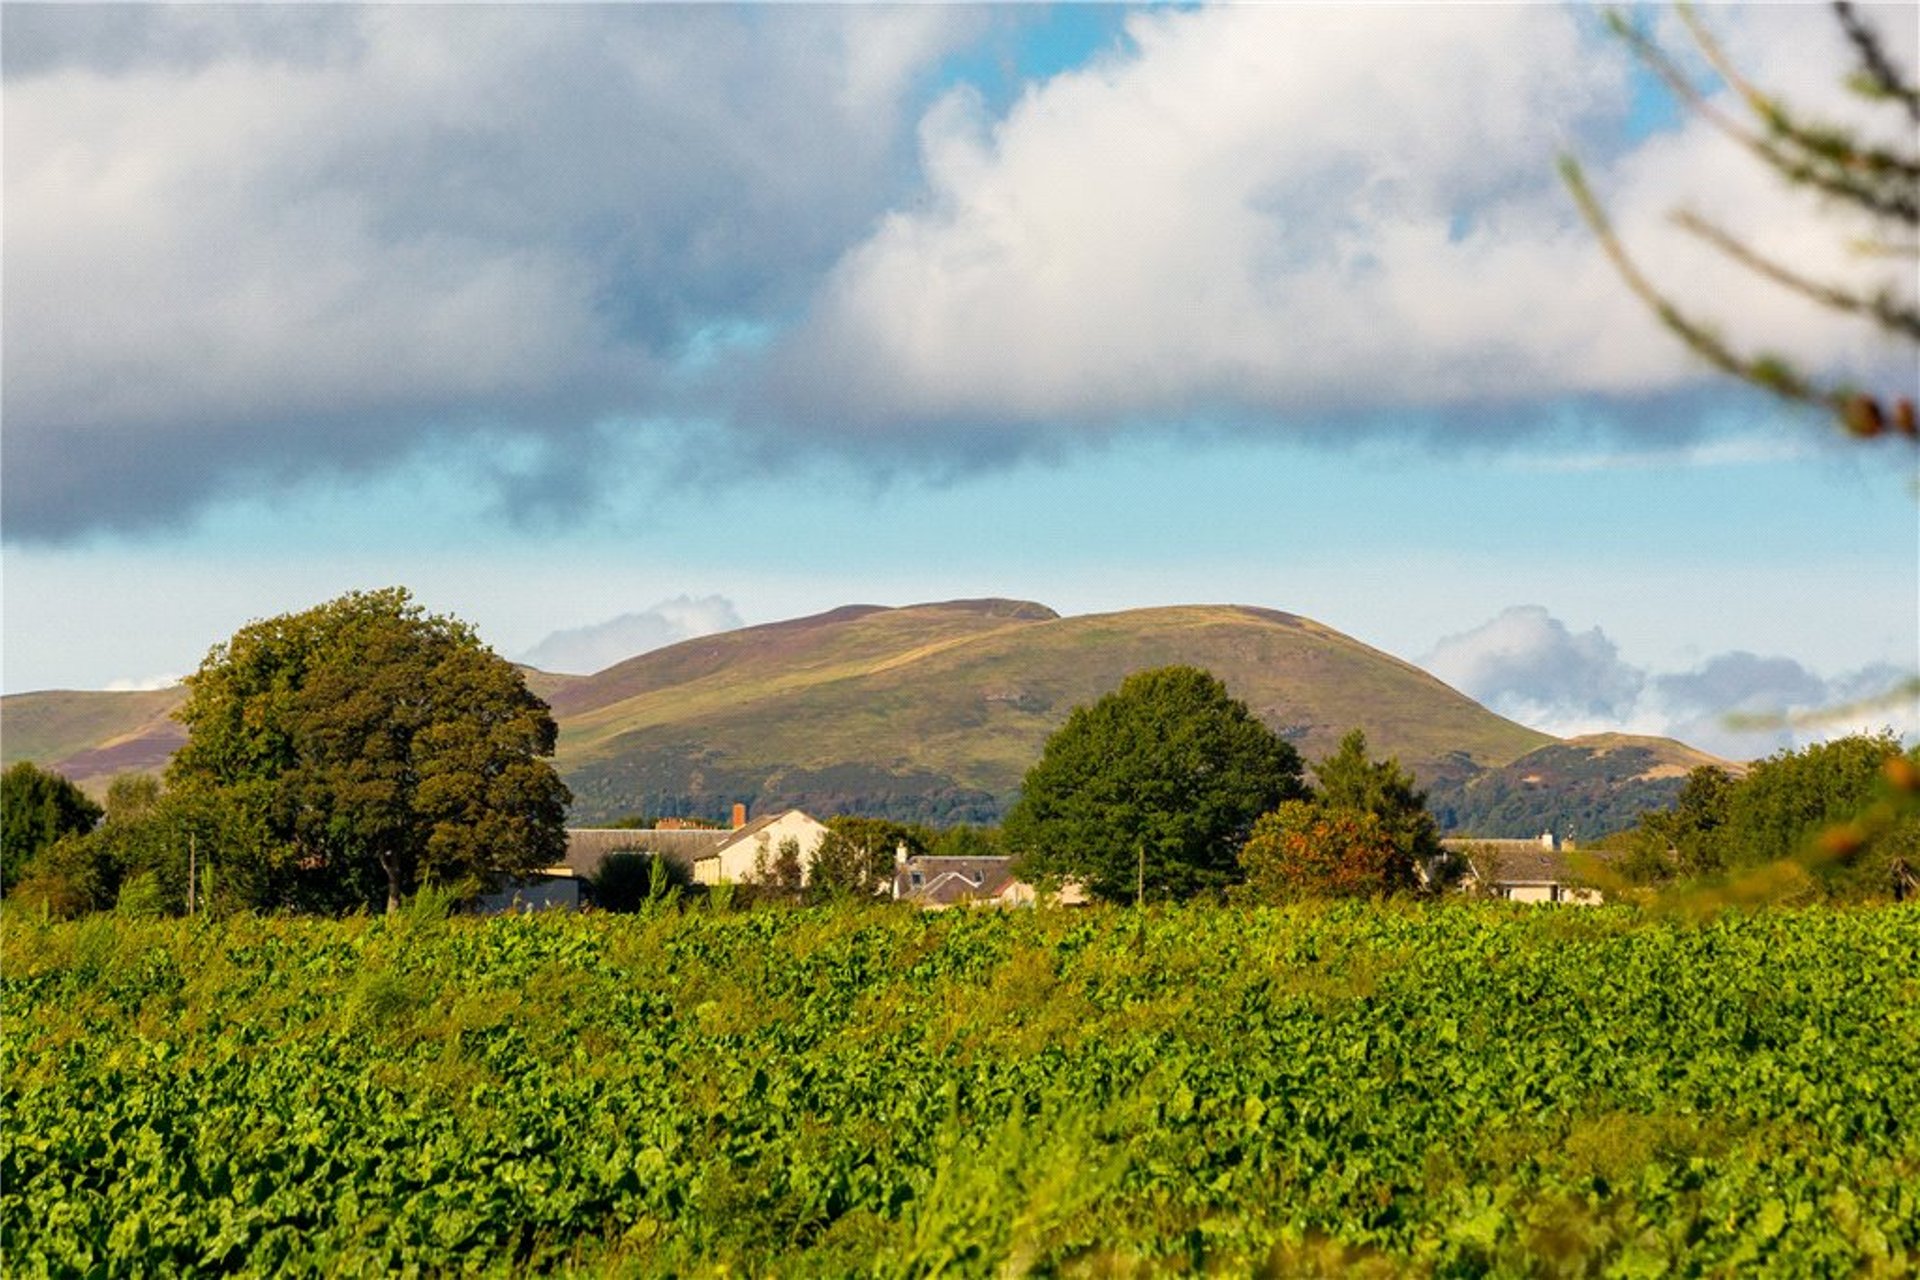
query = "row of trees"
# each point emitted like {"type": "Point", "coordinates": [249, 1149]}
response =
{"type": "Point", "coordinates": [342, 757]}
{"type": "Point", "coordinates": [1170, 788]}
{"type": "Point", "coordinates": [1847, 811]}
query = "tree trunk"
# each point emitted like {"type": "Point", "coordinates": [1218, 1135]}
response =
{"type": "Point", "coordinates": [391, 865]}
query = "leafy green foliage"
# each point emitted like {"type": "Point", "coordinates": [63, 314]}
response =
{"type": "Point", "coordinates": [856, 856]}
{"type": "Point", "coordinates": [966, 841]}
{"type": "Point", "coordinates": [1350, 779]}
{"type": "Point", "coordinates": [629, 879]}
{"type": "Point", "coordinates": [1452, 1090]}
{"type": "Point", "coordinates": [37, 807]}
{"type": "Point", "coordinates": [1158, 783]}
{"type": "Point", "coordinates": [188, 848]}
{"type": "Point", "coordinates": [1830, 807]}
{"type": "Point", "coordinates": [383, 747]}
{"type": "Point", "coordinates": [1692, 838]}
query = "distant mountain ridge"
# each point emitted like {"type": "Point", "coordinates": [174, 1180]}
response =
{"type": "Point", "coordinates": [934, 712]}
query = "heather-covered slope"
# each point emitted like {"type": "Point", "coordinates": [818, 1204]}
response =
{"type": "Point", "coordinates": [935, 711]}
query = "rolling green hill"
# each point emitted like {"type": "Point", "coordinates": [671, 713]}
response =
{"type": "Point", "coordinates": [935, 712]}
{"type": "Point", "coordinates": [91, 736]}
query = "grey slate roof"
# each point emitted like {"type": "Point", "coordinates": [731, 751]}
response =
{"type": "Point", "coordinates": [588, 847]}
{"type": "Point", "coordinates": [944, 881]}
{"type": "Point", "coordinates": [1516, 861]}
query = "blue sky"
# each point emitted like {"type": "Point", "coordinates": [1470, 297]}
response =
{"type": "Point", "coordinates": [557, 314]}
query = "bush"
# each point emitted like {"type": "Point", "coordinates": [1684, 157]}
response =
{"type": "Point", "coordinates": [1308, 850]}
{"type": "Point", "coordinates": [630, 878]}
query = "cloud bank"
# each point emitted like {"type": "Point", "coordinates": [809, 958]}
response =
{"type": "Point", "coordinates": [1529, 666]}
{"type": "Point", "coordinates": [585, 650]}
{"type": "Point", "coordinates": [254, 245]}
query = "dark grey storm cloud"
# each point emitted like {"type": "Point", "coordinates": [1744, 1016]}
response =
{"type": "Point", "coordinates": [265, 243]}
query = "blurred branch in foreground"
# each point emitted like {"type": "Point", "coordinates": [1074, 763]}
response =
{"type": "Point", "coordinates": [1881, 181]}
{"type": "Point", "coordinates": [1906, 691]}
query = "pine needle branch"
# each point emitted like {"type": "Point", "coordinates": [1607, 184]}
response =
{"type": "Point", "coordinates": [1881, 307]}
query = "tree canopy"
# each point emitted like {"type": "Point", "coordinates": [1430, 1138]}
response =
{"type": "Point", "coordinates": [1305, 849]}
{"type": "Point", "coordinates": [856, 856]}
{"type": "Point", "coordinates": [1842, 808]}
{"type": "Point", "coordinates": [381, 746]}
{"type": "Point", "coordinates": [1350, 779]}
{"type": "Point", "coordinates": [37, 807]}
{"type": "Point", "coordinates": [1153, 788]}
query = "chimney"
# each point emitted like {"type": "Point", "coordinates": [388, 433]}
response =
{"type": "Point", "coordinates": [739, 815]}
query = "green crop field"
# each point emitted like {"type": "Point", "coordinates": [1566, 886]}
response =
{"type": "Point", "coordinates": [1450, 1090]}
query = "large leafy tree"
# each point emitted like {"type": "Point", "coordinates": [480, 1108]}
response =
{"type": "Point", "coordinates": [1844, 809]}
{"type": "Point", "coordinates": [37, 807]}
{"type": "Point", "coordinates": [382, 746]}
{"type": "Point", "coordinates": [1152, 790]}
{"type": "Point", "coordinates": [1690, 839]}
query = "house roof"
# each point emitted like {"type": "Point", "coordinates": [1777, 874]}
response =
{"type": "Point", "coordinates": [1518, 861]}
{"type": "Point", "coordinates": [588, 847]}
{"type": "Point", "coordinates": [740, 835]}
{"type": "Point", "coordinates": [944, 881]}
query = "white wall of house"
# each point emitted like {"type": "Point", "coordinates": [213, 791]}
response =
{"type": "Point", "coordinates": [739, 860]}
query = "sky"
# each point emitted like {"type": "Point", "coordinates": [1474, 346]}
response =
{"type": "Point", "coordinates": [604, 326]}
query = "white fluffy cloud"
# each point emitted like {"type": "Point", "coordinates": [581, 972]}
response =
{"type": "Point", "coordinates": [249, 245]}
{"type": "Point", "coordinates": [1276, 211]}
{"type": "Point", "coordinates": [584, 650]}
{"type": "Point", "coordinates": [1529, 666]}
